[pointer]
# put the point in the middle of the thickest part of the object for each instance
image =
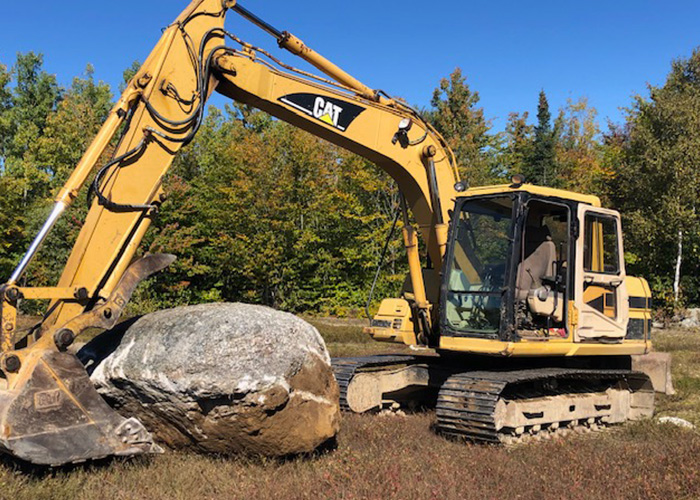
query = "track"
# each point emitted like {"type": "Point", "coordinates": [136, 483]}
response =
{"type": "Point", "coordinates": [345, 368]}
{"type": "Point", "coordinates": [518, 405]}
{"type": "Point", "coordinates": [473, 405]}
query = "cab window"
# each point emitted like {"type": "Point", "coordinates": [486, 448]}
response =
{"type": "Point", "coordinates": [476, 276]}
{"type": "Point", "coordinates": [601, 251]}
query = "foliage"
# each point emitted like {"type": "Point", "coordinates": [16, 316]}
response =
{"type": "Point", "coordinates": [655, 181]}
{"type": "Point", "coordinates": [518, 144]}
{"type": "Point", "coordinates": [540, 167]}
{"type": "Point", "coordinates": [457, 117]}
{"type": "Point", "coordinates": [262, 212]}
{"type": "Point", "coordinates": [578, 150]}
{"type": "Point", "coordinates": [28, 97]}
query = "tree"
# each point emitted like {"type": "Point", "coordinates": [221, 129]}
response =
{"type": "Point", "coordinates": [656, 183]}
{"type": "Point", "coordinates": [518, 144]}
{"type": "Point", "coordinates": [578, 152]}
{"type": "Point", "coordinates": [541, 163]}
{"type": "Point", "coordinates": [458, 118]}
{"type": "Point", "coordinates": [260, 211]}
{"type": "Point", "coordinates": [67, 134]}
{"type": "Point", "coordinates": [128, 74]}
{"type": "Point", "coordinates": [28, 96]}
{"type": "Point", "coordinates": [5, 106]}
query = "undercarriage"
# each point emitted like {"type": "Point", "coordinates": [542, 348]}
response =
{"type": "Point", "coordinates": [530, 399]}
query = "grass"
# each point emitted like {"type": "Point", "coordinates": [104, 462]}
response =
{"type": "Point", "coordinates": [392, 457]}
{"type": "Point", "coordinates": [345, 338]}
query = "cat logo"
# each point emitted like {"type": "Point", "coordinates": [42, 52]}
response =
{"type": "Point", "coordinates": [331, 111]}
{"type": "Point", "coordinates": [327, 111]}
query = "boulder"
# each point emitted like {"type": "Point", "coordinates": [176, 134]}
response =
{"type": "Point", "coordinates": [691, 319]}
{"type": "Point", "coordinates": [220, 378]}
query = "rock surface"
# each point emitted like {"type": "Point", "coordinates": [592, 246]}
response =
{"type": "Point", "coordinates": [691, 319]}
{"type": "Point", "coordinates": [220, 378]}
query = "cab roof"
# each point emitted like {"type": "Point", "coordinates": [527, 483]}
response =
{"type": "Point", "coordinates": [535, 190]}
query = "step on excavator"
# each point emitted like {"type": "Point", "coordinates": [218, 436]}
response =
{"type": "Point", "coordinates": [522, 296]}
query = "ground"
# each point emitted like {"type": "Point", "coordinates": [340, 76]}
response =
{"type": "Point", "coordinates": [388, 457]}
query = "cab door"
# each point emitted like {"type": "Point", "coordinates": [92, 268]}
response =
{"type": "Point", "coordinates": [601, 293]}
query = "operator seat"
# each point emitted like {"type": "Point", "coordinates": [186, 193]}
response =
{"type": "Point", "coordinates": [539, 260]}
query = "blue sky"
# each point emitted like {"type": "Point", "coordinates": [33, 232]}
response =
{"type": "Point", "coordinates": [509, 50]}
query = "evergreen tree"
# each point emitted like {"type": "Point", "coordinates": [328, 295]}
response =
{"type": "Point", "coordinates": [541, 165]}
{"type": "Point", "coordinates": [128, 74]}
{"type": "Point", "coordinates": [518, 144]}
{"type": "Point", "coordinates": [458, 118]}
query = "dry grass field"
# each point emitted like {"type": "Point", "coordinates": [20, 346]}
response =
{"type": "Point", "coordinates": [392, 457]}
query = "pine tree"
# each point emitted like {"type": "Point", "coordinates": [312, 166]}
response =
{"type": "Point", "coordinates": [518, 144]}
{"type": "Point", "coordinates": [541, 164]}
{"type": "Point", "coordinates": [458, 118]}
{"type": "Point", "coordinates": [128, 74]}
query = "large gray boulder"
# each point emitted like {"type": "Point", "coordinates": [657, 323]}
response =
{"type": "Point", "coordinates": [220, 378]}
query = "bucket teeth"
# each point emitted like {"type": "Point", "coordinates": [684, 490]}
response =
{"type": "Point", "coordinates": [52, 415]}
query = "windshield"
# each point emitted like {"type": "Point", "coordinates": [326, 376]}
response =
{"type": "Point", "coordinates": [477, 271]}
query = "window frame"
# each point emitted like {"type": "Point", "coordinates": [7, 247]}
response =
{"type": "Point", "coordinates": [618, 246]}
{"type": "Point", "coordinates": [507, 294]}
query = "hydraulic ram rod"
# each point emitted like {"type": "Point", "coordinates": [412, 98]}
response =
{"type": "Point", "coordinates": [58, 209]}
{"type": "Point", "coordinates": [294, 45]}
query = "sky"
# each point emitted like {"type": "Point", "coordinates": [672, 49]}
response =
{"type": "Point", "coordinates": [607, 51]}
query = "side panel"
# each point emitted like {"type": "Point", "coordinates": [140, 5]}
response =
{"type": "Point", "coordinates": [639, 326]}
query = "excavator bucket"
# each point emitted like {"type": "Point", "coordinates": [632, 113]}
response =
{"type": "Point", "coordinates": [54, 416]}
{"type": "Point", "coordinates": [50, 413]}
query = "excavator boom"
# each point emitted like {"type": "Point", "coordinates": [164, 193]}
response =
{"type": "Point", "coordinates": [49, 411]}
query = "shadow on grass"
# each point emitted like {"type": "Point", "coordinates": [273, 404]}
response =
{"type": "Point", "coordinates": [40, 472]}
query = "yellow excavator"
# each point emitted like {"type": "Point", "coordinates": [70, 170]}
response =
{"type": "Point", "coordinates": [522, 297]}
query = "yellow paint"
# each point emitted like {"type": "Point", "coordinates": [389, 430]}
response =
{"type": "Point", "coordinates": [536, 190]}
{"type": "Point", "coordinates": [109, 240]}
{"type": "Point", "coordinates": [542, 348]}
{"type": "Point", "coordinates": [396, 312]}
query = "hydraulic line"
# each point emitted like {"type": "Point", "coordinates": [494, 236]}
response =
{"type": "Point", "coordinates": [380, 264]}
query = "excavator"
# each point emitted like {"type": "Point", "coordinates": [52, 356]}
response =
{"type": "Point", "coordinates": [517, 301]}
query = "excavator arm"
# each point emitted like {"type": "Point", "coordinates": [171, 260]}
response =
{"type": "Point", "coordinates": [49, 412]}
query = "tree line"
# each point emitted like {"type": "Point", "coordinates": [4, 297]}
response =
{"type": "Point", "coordinates": [260, 211]}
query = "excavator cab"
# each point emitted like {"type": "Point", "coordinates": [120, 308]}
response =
{"type": "Point", "coordinates": [508, 272]}
{"type": "Point", "coordinates": [530, 271]}
{"type": "Point", "coordinates": [527, 263]}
